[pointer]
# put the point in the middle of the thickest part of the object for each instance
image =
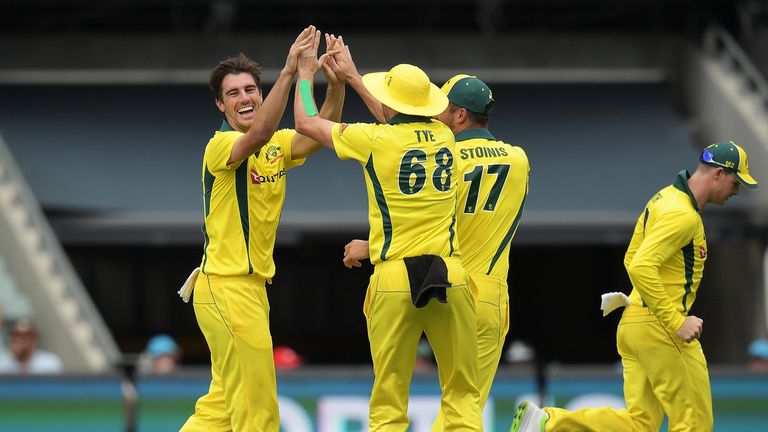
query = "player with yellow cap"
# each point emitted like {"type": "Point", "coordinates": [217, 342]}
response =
{"type": "Point", "coordinates": [493, 185]}
{"type": "Point", "coordinates": [418, 284]}
{"type": "Point", "coordinates": [665, 371]}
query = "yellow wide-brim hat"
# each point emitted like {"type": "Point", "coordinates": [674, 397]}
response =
{"type": "Point", "coordinates": [407, 90]}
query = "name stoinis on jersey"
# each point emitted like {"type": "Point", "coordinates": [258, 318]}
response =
{"type": "Point", "coordinates": [483, 152]}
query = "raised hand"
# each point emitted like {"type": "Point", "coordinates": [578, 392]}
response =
{"type": "Point", "coordinates": [342, 63]}
{"type": "Point", "coordinates": [331, 49]}
{"type": "Point", "coordinates": [303, 41]}
{"type": "Point", "coordinates": [308, 62]}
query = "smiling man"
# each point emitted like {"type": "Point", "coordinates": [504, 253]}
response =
{"type": "Point", "coordinates": [243, 179]}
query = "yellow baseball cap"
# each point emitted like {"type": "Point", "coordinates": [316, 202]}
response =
{"type": "Point", "coordinates": [730, 157]}
{"type": "Point", "coordinates": [407, 90]}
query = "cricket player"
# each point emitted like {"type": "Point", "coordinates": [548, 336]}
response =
{"type": "Point", "coordinates": [418, 284]}
{"type": "Point", "coordinates": [493, 185]}
{"type": "Point", "coordinates": [665, 371]}
{"type": "Point", "coordinates": [243, 179]}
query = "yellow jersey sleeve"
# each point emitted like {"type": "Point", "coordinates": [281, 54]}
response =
{"type": "Point", "coordinates": [284, 138]}
{"type": "Point", "coordinates": [353, 141]}
{"type": "Point", "coordinates": [219, 150]}
{"type": "Point", "coordinates": [665, 234]}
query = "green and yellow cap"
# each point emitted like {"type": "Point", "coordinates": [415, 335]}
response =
{"type": "Point", "coordinates": [732, 158]}
{"type": "Point", "coordinates": [469, 92]}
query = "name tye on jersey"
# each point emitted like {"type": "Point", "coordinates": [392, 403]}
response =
{"type": "Point", "coordinates": [483, 152]}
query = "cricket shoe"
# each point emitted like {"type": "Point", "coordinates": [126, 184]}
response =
{"type": "Point", "coordinates": [529, 418]}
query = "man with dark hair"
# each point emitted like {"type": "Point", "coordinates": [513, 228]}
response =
{"type": "Point", "coordinates": [243, 179]}
{"type": "Point", "coordinates": [665, 371]}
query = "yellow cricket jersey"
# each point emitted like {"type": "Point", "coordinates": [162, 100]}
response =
{"type": "Point", "coordinates": [493, 185]}
{"type": "Point", "coordinates": [242, 203]}
{"type": "Point", "coordinates": [408, 166]}
{"type": "Point", "coordinates": [666, 255]}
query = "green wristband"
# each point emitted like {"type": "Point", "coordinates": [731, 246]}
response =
{"type": "Point", "coordinates": [305, 91]}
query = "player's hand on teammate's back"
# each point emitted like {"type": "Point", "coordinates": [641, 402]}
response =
{"type": "Point", "coordinates": [355, 251]}
{"type": "Point", "coordinates": [691, 328]}
{"type": "Point", "coordinates": [303, 41]}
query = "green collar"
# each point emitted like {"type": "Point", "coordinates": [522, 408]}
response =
{"type": "Point", "coordinates": [407, 118]}
{"type": "Point", "coordinates": [225, 127]}
{"type": "Point", "coordinates": [467, 134]}
{"type": "Point", "coordinates": [681, 184]}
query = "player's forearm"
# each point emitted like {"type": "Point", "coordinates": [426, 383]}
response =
{"type": "Point", "coordinates": [267, 118]}
{"type": "Point", "coordinates": [373, 104]}
{"type": "Point", "coordinates": [334, 102]}
{"type": "Point", "coordinates": [308, 122]}
{"type": "Point", "coordinates": [646, 280]}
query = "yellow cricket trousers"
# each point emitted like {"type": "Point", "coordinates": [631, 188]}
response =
{"type": "Point", "coordinates": [233, 314]}
{"type": "Point", "coordinates": [662, 374]}
{"type": "Point", "coordinates": [394, 328]}
{"type": "Point", "coordinates": [492, 306]}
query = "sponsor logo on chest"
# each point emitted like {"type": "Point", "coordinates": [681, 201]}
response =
{"type": "Point", "coordinates": [258, 179]}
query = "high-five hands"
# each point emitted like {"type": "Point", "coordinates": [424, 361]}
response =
{"type": "Point", "coordinates": [303, 42]}
{"type": "Point", "coordinates": [332, 48]}
{"type": "Point", "coordinates": [308, 61]}
{"type": "Point", "coordinates": [342, 63]}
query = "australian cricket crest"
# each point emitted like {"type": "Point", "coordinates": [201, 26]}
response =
{"type": "Point", "coordinates": [273, 153]}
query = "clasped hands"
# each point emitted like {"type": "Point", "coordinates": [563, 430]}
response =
{"type": "Point", "coordinates": [336, 62]}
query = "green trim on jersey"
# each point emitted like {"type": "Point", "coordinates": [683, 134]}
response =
{"type": "Point", "coordinates": [681, 184]}
{"type": "Point", "coordinates": [405, 219]}
{"type": "Point", "coordinates": [688, 260]}
{"type": "Point", "coordinates": [453, 233]}
{"type": "Point", "coordinates": [208, 180]}
{"type": "Point", "coordinates": [645, 219]}
{"type": "Point", "coordinates": [407, 118]}
{"type": "Point", "coordinates": [383, 208]}
{"type": "Point", "coordinates": [508, 238]}
{"type": "Point", "coordinates": [225, 127]}
{"type": "Point", "coordinates": [241, 188]}
{"type": "Point", "coordinates": [468, 134]}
